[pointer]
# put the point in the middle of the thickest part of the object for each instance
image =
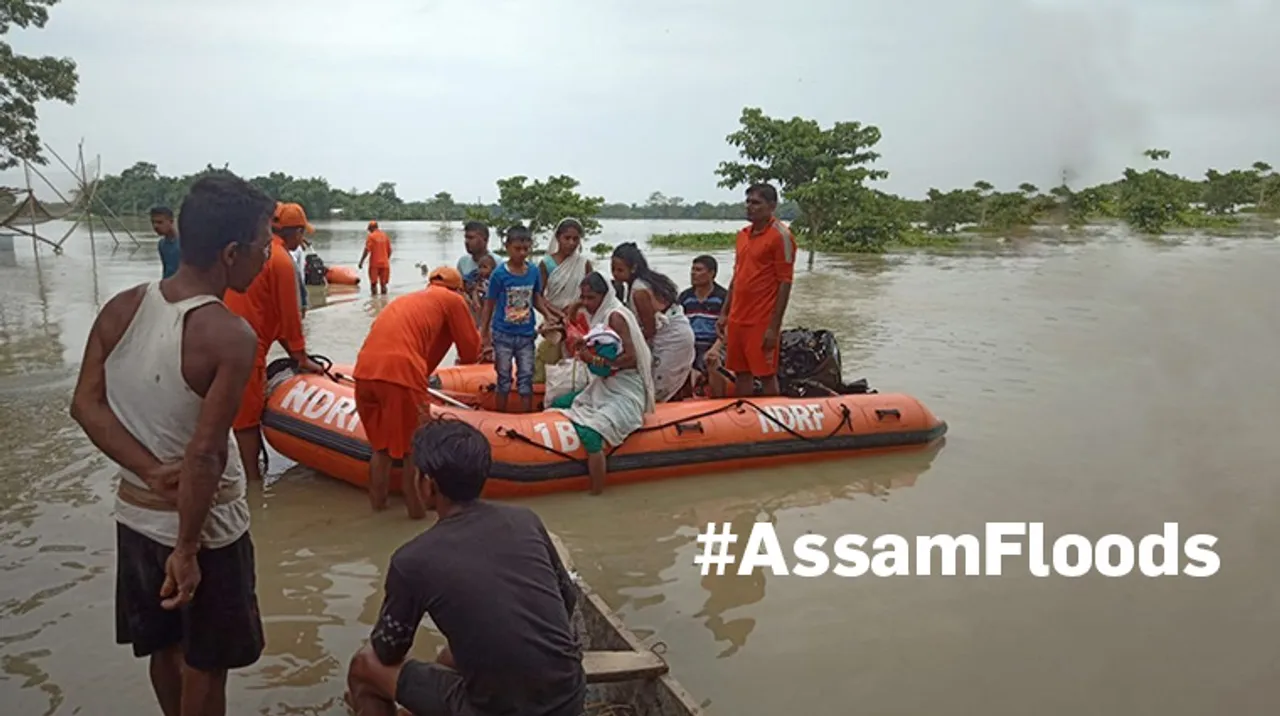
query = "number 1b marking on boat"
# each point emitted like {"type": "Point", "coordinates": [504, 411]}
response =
{"type": "Point", "coordinates": [799, 417]}
{"type": "Point", "coordinates": [560, 436]}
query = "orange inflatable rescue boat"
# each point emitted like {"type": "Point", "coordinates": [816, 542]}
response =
{"type": "Point", "coordinates": [312, 420]}
{"type": "Point", "coordinates": [342, 276]}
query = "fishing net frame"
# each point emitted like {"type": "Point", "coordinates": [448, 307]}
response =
{"type": "Point", "coordinates": [29, 213]}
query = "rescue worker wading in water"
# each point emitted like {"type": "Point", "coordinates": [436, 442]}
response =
{"type": "Point", "coordinates": [271, 306]}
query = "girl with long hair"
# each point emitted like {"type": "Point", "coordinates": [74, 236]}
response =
{"type": "Point", "coordinates": [652, 297]}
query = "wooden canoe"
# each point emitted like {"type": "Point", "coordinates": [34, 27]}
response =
{"type": "Point", "coordinates": [623, 676]}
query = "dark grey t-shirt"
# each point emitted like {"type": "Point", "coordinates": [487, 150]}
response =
{"type": "Point", "coordinates": [493, 584]}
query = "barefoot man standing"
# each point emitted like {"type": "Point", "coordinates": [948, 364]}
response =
{"type": "Point", "coordinates": [163, 371]}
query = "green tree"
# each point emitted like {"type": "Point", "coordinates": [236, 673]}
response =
{"type": "Point", "coordinates": [823, 170]}
{"type": "Point", "coordinates": [1153, 200]}
{"type": "Point", "coordinates": [945, 212]}
{"type": "Point", "coordinates": [984, 189]}
{"type": "Point", "coordinates": [540, 205]}
{"type": "Point", "coordinates": [25, 81]}
{"type": "Point", "coordinates": [1006, 210]}
{"type": "Point", "coordinates": [1082, 206]}
{"type": "Point", "coordinates": [1262, 174]}
{"type": "Point", "coordinates": [1223, 192]}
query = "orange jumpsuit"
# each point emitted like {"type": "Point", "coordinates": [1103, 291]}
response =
{"type": "Point", "coordinates": [378, 245]}
{"type": "Point", "coordinates": [760, 264]}
{"type": "Point", "coordinates": [270, 305]}
{"type": "Point", "coordinates": [406, 343]}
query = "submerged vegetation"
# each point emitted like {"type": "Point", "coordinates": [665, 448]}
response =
{"type": "Point", "coordinates": [708, 241]}
{"type": "Point", "coordinates": [828, 173]}
{"type": "Point", "coordinates": [826, 177]}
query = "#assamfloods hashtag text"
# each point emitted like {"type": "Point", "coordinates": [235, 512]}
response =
{"type": "Point", "coordinates": [1071, 555]}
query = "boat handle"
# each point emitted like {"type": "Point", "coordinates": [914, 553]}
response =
{"type": "Point", "coordinates": [881, 413]}
{"type": "Point", "coordinates": [695, 427]}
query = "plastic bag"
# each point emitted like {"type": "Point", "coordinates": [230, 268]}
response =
{"type": "Point", "coordinates": [567, 376]}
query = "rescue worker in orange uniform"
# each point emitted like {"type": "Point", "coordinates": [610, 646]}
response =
{"type": "Point", "coordinates": [270, 305]}
{"type": "Point", "coordinates": [750, 320]}
{"type": "Point", "coordinates": [406, 343]}
{"type": "Point", "coordinates": [377, 248]}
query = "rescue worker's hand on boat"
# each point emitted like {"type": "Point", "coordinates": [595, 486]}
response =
{"type": "Point", "coordinates": [306, 365]}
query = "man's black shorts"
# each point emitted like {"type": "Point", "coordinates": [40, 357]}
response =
{"type": "Point", "coordinates": [219, 629]}
{"type": "Point", "coordinates": [427, 688]}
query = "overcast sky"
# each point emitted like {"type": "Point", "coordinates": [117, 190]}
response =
{"type": "Point", "coordinates": [634, 97]}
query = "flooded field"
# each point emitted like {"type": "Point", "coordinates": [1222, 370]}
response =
{"type": "Point", "coordinates": [1105, 386]}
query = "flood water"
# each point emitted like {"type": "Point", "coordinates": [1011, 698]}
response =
{"type": "Point", "coordinates": [1103, 386]}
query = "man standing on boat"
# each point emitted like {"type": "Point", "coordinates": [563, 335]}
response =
{"type": "Point", "coordinates": [407, 341]}
{"type": "Point", "coordinates": [751, 320]}
{"type": "Point", "coordinates": [492, 582]}
{"type": "Point", "coordinates": [475, 237]}
{"type": "Point", "coordinates": [164, 368]}
{"type": "Point", "coordinates": [271, 306]}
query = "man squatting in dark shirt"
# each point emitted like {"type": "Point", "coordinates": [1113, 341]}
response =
{"type": "Point", "coordinates": [489, 576]}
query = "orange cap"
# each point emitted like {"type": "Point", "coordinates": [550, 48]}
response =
{"type": "Point", "coordinates": [446, 276]}
{"type": "Point", "coordinates": [373, 225]}
{"type": "Point", "coordinates": [289, 215]}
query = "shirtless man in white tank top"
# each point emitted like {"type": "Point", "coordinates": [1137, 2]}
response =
{"type": "Point", "coordinates": [164, 369]}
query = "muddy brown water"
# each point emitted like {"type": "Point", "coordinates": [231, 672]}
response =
{"type": "Point", "coordinates": [1101, 386]}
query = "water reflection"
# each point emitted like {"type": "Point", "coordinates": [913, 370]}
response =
{"type": "Point", "coordinates": [642, 569]}
{"type": "Point", "coordinates": [29, 340]}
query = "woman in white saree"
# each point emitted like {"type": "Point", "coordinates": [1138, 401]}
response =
{"type": "Point", "coordinates": [562, 269]}
{"type": "Point", "coordinates": [621, 390]}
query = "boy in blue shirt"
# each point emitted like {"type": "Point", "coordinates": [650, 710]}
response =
{"type": "Point", "coordinates": [508, 323]}
{"type": "Point", "coordinates": [168, 245]}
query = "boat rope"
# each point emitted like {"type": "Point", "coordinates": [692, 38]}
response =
{"type": "Point", "coordinates": [326, 365]}
{"type": "Point", "coordinates": [520, 437]}
{"type": "Point", "coordinates": [846, 419]}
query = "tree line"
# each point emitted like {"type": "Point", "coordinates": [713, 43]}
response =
{"type": "Point", "coordinates": [826, 177]}
{"type": "Point", "coordinates": [136, 189]}
{"type": "Point", "coordinates": [829, 172]}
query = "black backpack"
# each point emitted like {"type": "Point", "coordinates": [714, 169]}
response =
{"type": "Point", "coordinates": [810, 365]}
{"type": "Point", "coordinates": [313, 271]}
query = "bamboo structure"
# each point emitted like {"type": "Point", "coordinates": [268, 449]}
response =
{"type": "Point", "coordinates": [29, 213]}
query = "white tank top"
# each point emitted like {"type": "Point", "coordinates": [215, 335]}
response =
{"type": "Point", "coordinates": [148, 394]}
